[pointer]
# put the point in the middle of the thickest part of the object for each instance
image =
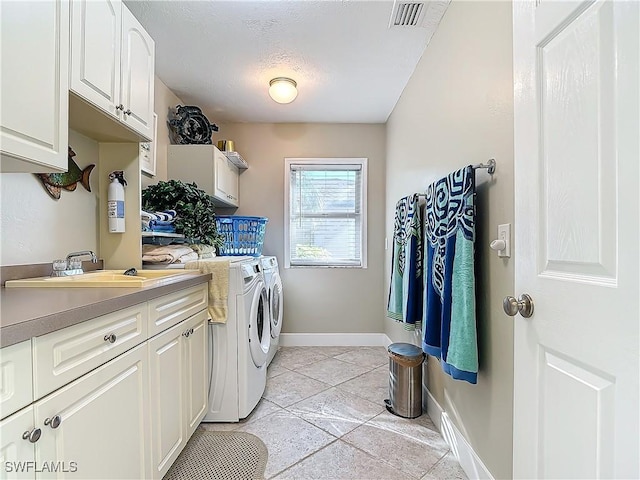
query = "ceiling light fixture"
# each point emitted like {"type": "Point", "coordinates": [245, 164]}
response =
{"type": "Point", "coordinates": [283, 90]}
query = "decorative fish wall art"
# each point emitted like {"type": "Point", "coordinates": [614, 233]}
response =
{"type": "Point", "coordinates": [55, 182]}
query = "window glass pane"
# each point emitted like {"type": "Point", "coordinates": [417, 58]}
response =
{"type": "Point", "coordinates": [325, 214]}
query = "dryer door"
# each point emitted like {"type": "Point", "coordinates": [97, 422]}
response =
{"type": "Point", "coordinates": [259, 336]}
{"type": "Point", "coordinates": [275, 305]}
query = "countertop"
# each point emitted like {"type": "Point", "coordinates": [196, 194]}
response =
{"type": "Point", "coordinates": [31, 312]}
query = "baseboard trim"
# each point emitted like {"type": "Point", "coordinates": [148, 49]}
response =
{"type": "Point", "coordinates": [469, 460]}
{"type": "Point", "coordinates": [334, 340]}
{"type": "Point", "coordinates": [434, 410]}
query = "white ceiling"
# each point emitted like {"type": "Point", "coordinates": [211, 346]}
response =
{"type": "Point", "coordinates": [349, 65]}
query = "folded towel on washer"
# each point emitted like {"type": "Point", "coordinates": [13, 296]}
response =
{"type": "Point", "coordinates": [218, 285]}
{"type": "Point", "coordinates": [201, 249]}
{"type": "Point", "coordinates": [167, 254]}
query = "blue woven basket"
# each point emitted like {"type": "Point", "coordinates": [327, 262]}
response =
{"type": "Point", "coordinates": [242, 235]}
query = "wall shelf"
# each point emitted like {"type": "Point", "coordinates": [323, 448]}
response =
{"type": "Point", "coordinates": [237, 160]}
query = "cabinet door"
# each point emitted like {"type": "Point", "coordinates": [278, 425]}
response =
{"type": "Point", "coordinates": [226, 180]}
{"type": "Point", "coordinates": [34, 112]}
{"type": "Point", "coordinates": [104, 425]}
{"type": "Point", "coordinates": [166, 367]}
{"type": "Point", "coordinates": [16, 452]}
{"type": "Point", "coordinates": [196, 371]}
{"type": "Point", "coordinates": [96, 34]}
{"type": "Point", "coordinates": [16, 378]}
{"type": "Point", "coordinates": [138, 75]}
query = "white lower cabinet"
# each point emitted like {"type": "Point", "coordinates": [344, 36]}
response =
{"type": "Point", "coordinates": [99, 422]}
{"type": "Point", "coordinates": [16, 452]}
{"type": "Point", "coordinates": [178, 374]}
{"type": "Point", "coordinates": [196, 372]}
{"type": "Point", "coordinates": [16, 379]}
{"type": "Point", "coordinates": [127, 419]}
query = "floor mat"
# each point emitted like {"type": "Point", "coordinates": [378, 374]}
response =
{"type": "Point", "coordinates": [220, 456]}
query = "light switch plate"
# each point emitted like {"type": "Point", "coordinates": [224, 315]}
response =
{"type": "Point", "coordinates": [504, 233]}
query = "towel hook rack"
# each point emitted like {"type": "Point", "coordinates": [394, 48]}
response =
{"type": "Point", "coordinates": [490, 166]}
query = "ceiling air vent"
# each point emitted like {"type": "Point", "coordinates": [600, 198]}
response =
{"type": "Point", "coordinates": [407, 14]}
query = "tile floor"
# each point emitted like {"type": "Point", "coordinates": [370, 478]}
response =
{"type": "Point", "coordinates": [322, 416]}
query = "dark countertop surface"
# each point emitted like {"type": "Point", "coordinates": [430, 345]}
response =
{"type": "Point", "coordinates": [32, 312]}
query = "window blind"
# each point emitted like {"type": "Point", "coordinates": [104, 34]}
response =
{"type": "Point", "coordinates": [325, 214]}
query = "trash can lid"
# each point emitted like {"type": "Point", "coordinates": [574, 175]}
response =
{"type": "Point", "coordinates": [406, 350]}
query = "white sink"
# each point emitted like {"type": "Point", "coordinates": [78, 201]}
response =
{"type": "Point", "coordinates": [102, 278]}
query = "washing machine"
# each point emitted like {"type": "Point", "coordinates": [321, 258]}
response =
{"type": "Point", "coordinates": [274, 291]}
{"type": "Point", "coordinates": [239, 348]}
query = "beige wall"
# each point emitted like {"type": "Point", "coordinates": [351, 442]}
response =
{"type": "Point", "coordinates": [317, 300]}
{"type": "Point", "coordinates": [34, 227]}
{"type": "Point", "coordinates": [457, 109]}
{"type": "Point", "coordinates": [164, 99]}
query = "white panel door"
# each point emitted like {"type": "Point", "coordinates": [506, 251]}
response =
{"type": "Point", "coordinates": [16, 452]}
{"type": "Point", "coordinates": [166, 367]}
{"type": "Point", "coordinates": [576, 83]}
{"type": "Point", "coordinates": [16, 378]}
{"type": "Point", "coordinates": [226, 179]}
{"type": "Point", "coordinates": [138, 75]}
{"type": "Point", "coordinates": [96, 33]}
{"type": "Point", "coordinates": [196, 371]}
{"type": "Point", "coordinates": [100, 422]}
{"type": "Point", "coordinates": [35, 85]}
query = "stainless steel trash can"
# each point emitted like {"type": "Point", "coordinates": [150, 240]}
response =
{"type": "Point", "coordinates": [405, 380]}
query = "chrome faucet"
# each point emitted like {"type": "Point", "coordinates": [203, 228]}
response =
{"type": "Point", "coordinates": [94, 259]}
{"type": "Point", "coordinates": [72, 265]}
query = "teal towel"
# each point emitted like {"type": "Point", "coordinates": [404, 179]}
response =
{"type": "Point", "coordinates": [449, 293]}
{"type": "Point", "coordinates": [405, 290]}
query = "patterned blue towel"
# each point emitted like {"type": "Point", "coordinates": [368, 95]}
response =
{"type": "Point", "coordinates": [449, 294]}
{"type": "Point", "coordinates": [405, 290]}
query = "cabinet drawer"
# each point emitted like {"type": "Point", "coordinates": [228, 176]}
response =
{"type": "Point", "coordinates": [16, 390]}
{"type": "Point", "coordinates": [167, 311]}
{"type": "Point", "coordinates": [64, 355]}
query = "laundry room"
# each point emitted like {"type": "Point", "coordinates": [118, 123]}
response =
{"type": "Point", "coordinates": [315, 239]}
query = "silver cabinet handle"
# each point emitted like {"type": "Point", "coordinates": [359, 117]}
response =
{"type": "Point", "coordinates": [524, 305]}
{"type": "Point", "coordinates": [53, 422]}
{"type": "Point", "coordinates": [33, 436]}
{"type": "Point", "coordinates": [188, 333]}
{"type": "Point", "coordinates": [120, 107]}
{"type": "Point", "coordinates": [111, 338]}
{"type": "Point", "coordinates": [128, 112]}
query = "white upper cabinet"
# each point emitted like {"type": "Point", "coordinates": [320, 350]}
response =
{"type": "Point", "coordinates": [96, 34]}
{"type": "Point", "coordinates": [227, 182]}
{"type": "Point", "coordinates": [34, 113]}
{"type": "Point", "coordinates": [113, 62]}
{"type": "Point", "coordinates": [209, 168]}
{"type": "Point", "coordinates": [138, 69]}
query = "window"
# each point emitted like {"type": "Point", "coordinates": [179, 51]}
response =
{"type": "Point", "coordinates": [325, 212]}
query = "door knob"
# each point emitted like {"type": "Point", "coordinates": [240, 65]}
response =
{"type": "Point", "coordinates": [524, 305]}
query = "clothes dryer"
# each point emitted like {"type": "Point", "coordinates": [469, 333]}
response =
{"type": "Point", "coordinates": [239, 348]}
{"type": "Point", "coordinates": [274, 290]}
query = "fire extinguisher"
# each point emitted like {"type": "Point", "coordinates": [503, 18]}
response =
{"type": "Point", "coordinates": [115, 201]}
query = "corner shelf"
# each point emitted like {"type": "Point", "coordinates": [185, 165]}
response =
{"type": "Point", "coordinates": [160, 238]}
{"type": "Point", "coordinates": [162, 234]}
{"type": "Point", "coordinates": [237, 160]}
